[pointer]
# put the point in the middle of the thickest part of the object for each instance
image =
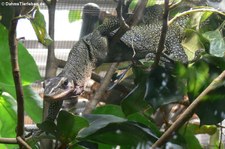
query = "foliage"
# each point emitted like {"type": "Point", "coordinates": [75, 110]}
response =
{"type": "Point", "coordinates": [29, 74]}
{"type": "Point", "coordinates": [74, 15]}
{"type": "Point", "coordinates": [26, 63]}
{"type": "Point", "coordinates": [200, 75]}
{"type": "Point", "coordinates": [39, 26]}
{"type": "Point", "coordinates": [132, 123]}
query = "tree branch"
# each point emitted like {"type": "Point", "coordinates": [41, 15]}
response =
{"type": "Point", "coordinates": [93, 102]}
{"type": "Point", "coordinates": [16, 74]}
{"type": "Point", "coordinates": [8, 140]}
{"type": "Point", "coordinates": [17, 140]}
{"type": "Point", "coordinates": [22, 142]}
{"type": "Point", "coordinates": [188, 112]}
{"type": "Point", "coordinates": [163, 35]}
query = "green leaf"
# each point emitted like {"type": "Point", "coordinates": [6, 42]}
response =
{"type": "Point", "coordinates": [68, 126]}
{"type": "Point", "coordinates": [197, 78]}
{"type": "Point", "coordinates": [205, 16]}
{"type": "Point", "coordinates": [151, 2]}
{"type": "Point", "coordinates": [217, 43]}
{"type": "Point", "coordinates": [31, 100]}
{"type": "Point", "coordinates": [192, 43]}
{"type": "Point", "coordinates": [74, 15]}
{"type": "Point", "coordinates": [123, 133]}
{"type": "Point", "coordinates": [188, 133]}
{"type": "Point", "coordinates": [212, 104]}
{"type": "Point", "coordinates": [137, 117]}
{"type": "Point", "coordinates": [7, 115]}
{"type": "Point", "coordinates": [215, 140]}
{"type": "Point", "coordinates": [8, 119]}
{"type": "Point", "coordinates": [134, 101]}
{"type": "Point", "coordinates": [197, 18]}
{"type": "Point", "coordinates": [28, 68]}
{"type": "Point", "coordinates": [212, 23]}
{"type": "Point", "coordinates": [97, 122]}
{"type": "Point", "coordinates": [133, 4]}
{"type": "Point", "coordinates": [48, 127]}
{"type": "Point", "coordinates": [109, 109]}
{"type": "Point", "coordinates": [164, 87]}
{"type": "Point", "coordinates": [29, 74]}
{"type": "Point", "coordinates": [6, 13]}
{"type": "Point", "coordinates": [200, 75]}
{"type": "Point", "coordinates": [39, 26]}
{"type": "Point", "coordinates": [205, 129]}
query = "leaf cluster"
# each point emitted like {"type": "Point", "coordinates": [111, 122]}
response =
{"type": "Point", "coordinates": [130, 124]}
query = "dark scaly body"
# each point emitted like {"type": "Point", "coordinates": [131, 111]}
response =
{"type": "Point", "coordinates": [93, 50]}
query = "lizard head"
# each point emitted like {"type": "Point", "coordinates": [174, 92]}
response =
{"type": "Point", "coordinates": [60, 88]}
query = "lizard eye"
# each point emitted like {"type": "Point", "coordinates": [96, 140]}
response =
{"type": "Point", "coordinates": [65, 83]}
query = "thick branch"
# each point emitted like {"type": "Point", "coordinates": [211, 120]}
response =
{"type": "Point", "coordinates": [16, 75]}
{"type": "Point", "coordinates": [188, 112]}
{"type": "Point", "coordinates": [51, 66]}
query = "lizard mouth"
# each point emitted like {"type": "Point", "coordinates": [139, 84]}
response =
{"type": "Point", "coordinates": [59, 96]}
{"type": "Point", "coordinates": [64, 94]}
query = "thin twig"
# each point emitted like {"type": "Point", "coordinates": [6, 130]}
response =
{"type": "Point", "coordinates": [188, 112]}
{"type": "Point", "coordinates": [123, 25]}
{"type": "Point", "coordinates": [92, 104]}
{"type": "Point", "coordinates": [221, 126]}
{"type": "Point", "coordinates": [8, 141]}
{"type": "Point", "coordinates": [163, 35]}
{"type": "Point", "coordinates": [16, 75]}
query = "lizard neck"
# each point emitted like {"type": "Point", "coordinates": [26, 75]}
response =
{"type": "Point", "coordinates": [79, 65]}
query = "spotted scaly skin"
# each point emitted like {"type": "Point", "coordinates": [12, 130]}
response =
{"type": "Point", "coordinates": [93, 49]}
{"type": "Point", "coordinates": [87, 53]}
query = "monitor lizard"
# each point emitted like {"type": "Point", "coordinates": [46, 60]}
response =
{"type": "Point", "coordinates": [93, 50]}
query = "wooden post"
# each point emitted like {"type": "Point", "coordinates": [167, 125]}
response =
{"type": "Point", "coordinates": [90, 18]}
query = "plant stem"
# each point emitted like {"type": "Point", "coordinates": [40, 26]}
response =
{"type": "Point", "coordinates": [16, 75]}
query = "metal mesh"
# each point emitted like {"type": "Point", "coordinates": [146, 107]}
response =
{"type": "Point", "coordinates": [66, 33]}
